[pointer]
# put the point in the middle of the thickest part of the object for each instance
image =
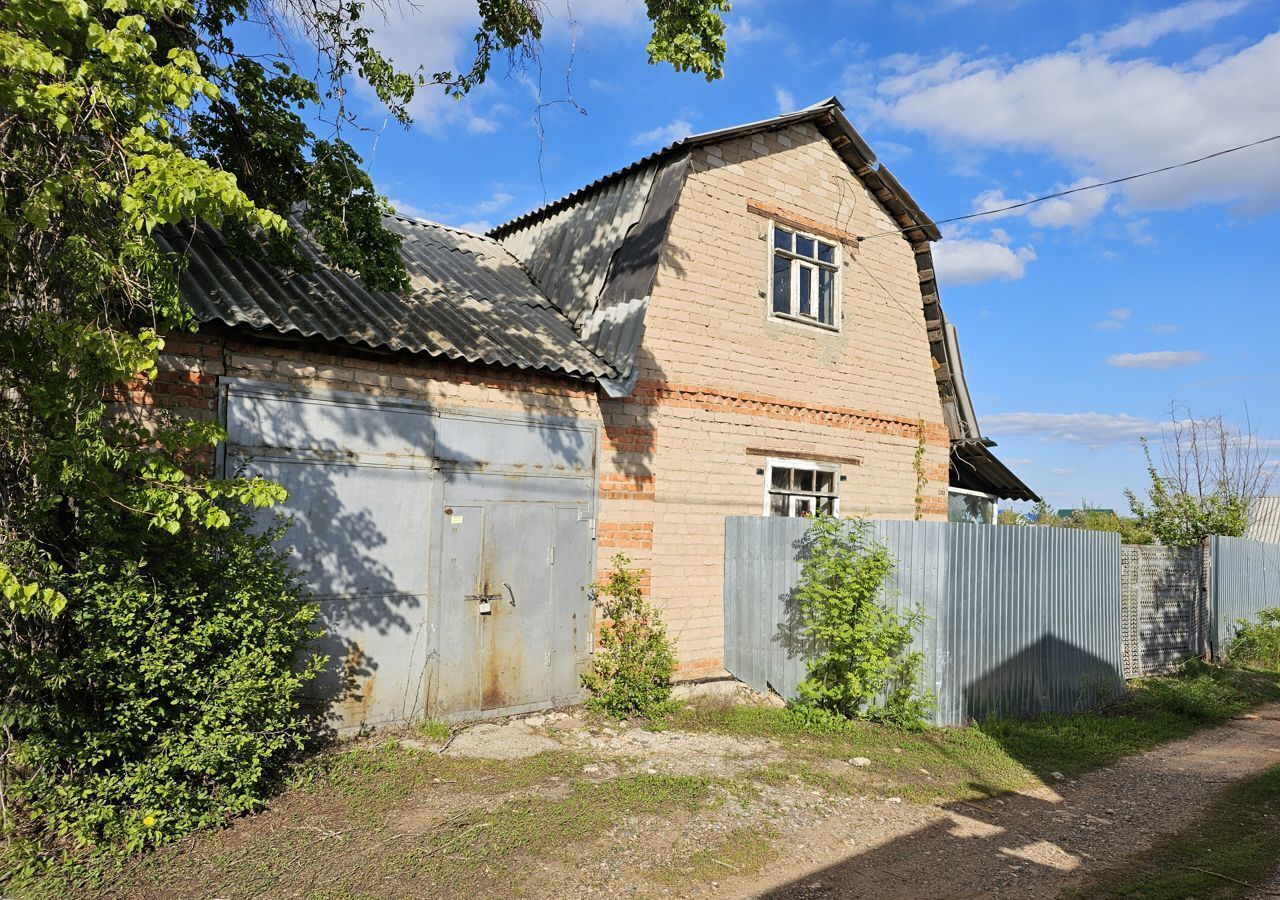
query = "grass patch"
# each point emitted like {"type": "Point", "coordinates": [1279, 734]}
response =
{"type": "Point", "coordinates": [997, 756]}
{"type": "Point", "coordinates": [742, 851]}
{"type": "Point", "coordinates": [1237, 839]}
{"type": "Point", "coordinates": [504, 839]}
{"type": "Point", "coordinates": [434, 730]}
{"type": "Point", "coordinates": [1156, 710]}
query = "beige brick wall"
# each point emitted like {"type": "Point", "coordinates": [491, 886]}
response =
{"type": "Point", "coordinates": [722, 380]}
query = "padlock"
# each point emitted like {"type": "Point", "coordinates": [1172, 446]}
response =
{"type": "Point", "coordinates": [486, 608]}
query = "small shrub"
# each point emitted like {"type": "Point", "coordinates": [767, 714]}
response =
{"type": "Point", "coordinates": [859, 662]}
{"type": "Point", "coordinates": [167, 696]}
{"type": "Point", "coordinates": [631, 672]}
{"type": "Point", "coordinates": [1258, 643]}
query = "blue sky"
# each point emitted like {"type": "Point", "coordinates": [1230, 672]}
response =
{"type": "Point", "coordinates": [1081, 320]}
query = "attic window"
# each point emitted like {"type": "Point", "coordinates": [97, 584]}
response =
{"type": "Point", "coordinates": [805, 277]}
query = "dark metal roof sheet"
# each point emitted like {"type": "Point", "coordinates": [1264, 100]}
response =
{"type": "Point", "coordinates": [975, 468]}
{"type": "Point", "coordinates": [469, 299]}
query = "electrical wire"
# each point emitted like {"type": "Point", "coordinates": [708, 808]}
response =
{"type": "Point", "coordinates": [1076, 190]}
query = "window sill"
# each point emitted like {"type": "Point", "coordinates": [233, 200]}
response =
{"type": "Point", "coordinates": [802, 320]}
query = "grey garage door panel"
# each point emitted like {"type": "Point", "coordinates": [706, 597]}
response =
{"type": "Point", "coordinates": [266, 416]}
{"type": "Point", "coordinates": [524, 444]}
{"type": "Point", "coordinates": [372, 484]}
{"type": "Point", "coordinates": [356, 529]}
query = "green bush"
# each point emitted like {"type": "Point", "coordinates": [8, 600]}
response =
{"type": "Point", "coordinates": [164, 698]}
{"type": "Point", "coordinates": [859, 662]}
{"type": "Point", "coordinates": [631, 672]}
{"type": "Point", "coordinates": [1258, 643]}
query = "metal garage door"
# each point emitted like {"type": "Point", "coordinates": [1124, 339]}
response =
{"type": "Point", "coordinates": [450, 553]}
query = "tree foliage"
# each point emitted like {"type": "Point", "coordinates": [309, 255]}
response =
{"type": "Point", "coordinates": [630, 674]}
{"type": "Point", "coordinates": [1209, 475]}
{"type": "Point", "coordinates": [119, 550]}
{"type": "Point", "coordinates": [857, 645]}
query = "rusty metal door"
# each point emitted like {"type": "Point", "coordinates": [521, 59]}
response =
{"type": "Point", "coordinates": [514, 610]}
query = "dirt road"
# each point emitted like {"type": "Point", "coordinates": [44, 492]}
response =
{"type": "Point", "coordinates": [1031, 844]}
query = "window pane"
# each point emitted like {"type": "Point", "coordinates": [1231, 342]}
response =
{"type": "Point", "coordinates": [804, 301]}
{"type": "Point", "coordinates": [781, 284]}
{"type": "Point", "coordinates": [802, 506]}
{"type": "Point", "coordinates": [781, 238]}
{"type": "Point", "coordinates": [780, 478]}
{"type": "Point", "coordinates": [825, 481]}
{"type": "Point", "coordinates": [804, 479]}
{"type": "Point", "coordinates": [804, 245]}
{"type": "Point", "coordinates": [778, 505]}
{"type": "Point", "coordinates": [826, 296]}
{"type": "Point", "coordinates": [826, 253]}
{"type": "Point", "coordinates": [827, 505]}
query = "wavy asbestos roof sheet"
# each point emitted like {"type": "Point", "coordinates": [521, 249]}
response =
{"type": "Point", "coordinates": [1264, 520]}
{"type": "Point", "coordinates": [469, 299]}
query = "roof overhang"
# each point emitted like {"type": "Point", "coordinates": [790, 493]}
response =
{"type": "Point", "coordinates": [975, 468]}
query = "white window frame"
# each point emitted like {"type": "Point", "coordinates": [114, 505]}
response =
{"type": "Point", "coordinates": [992, 498]}
{"type": "Point", "coordinates": [797, 261]}
{"type": "Point", "coordinates": [808, 464]}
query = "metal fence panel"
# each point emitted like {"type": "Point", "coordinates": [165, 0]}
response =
{"type": "Point", "coordinates": [1246, 579]}
{"type": "Point", "coordinates": [1018, 620]}
{"type": "Point", "coordinates": [1162, 595]}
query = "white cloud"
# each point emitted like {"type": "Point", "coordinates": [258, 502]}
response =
{"type": "Point", "coordinates": [1156, 359]}
{"type": "Point", "coordinates": [973, 261]}
{"type": "Point", "coordinates": [1061, 473]}
{"type": "Point", "coordinates": [1145, 30]}
{"type": "Point", "coordinates": [1165, 328]}
{"type": "Point", "coordinates": [786, 102]}
{"type": "Point", "coordinates": [1115, 319]}
{"type": "Point", "coordinates": [1074, 211]}
{"type": "Point", "coordinates": [1092, 429]}
{"type": "Point", "coordinates": [744, 31]}
{"type": "Point", "coordinates": [1108, 117]}
{"type": "Point", "coordinates": [405, 208]}
{"type": "Point", "coordinates": [604, 87]}
{"type": "Point", "coordinates": [663, 134]}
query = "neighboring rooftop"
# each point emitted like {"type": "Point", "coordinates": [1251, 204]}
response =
{"type": "Point", "coordinates": [1264, 520]}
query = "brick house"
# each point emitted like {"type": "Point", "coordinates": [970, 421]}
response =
{"type": "Point", "coordinates": [745, 322]}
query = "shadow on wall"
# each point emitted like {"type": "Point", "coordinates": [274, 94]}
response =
{"type": "Point", "coordinates": [362, 498]}
{"type": "Point", "coordinates": [1050, 674]}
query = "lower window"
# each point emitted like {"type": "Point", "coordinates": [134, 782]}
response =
{"type": "Point", "coordinates": [800, 488]}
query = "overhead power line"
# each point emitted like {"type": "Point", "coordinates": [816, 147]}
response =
{"type": "Point", "coordinates": [1077, 190]}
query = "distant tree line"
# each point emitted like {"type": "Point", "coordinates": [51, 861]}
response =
{"type": "Point", "coordinates": [1204, 480]}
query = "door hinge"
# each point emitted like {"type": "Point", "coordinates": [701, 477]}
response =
{"type": "Point", "coordinates": [551, 555]}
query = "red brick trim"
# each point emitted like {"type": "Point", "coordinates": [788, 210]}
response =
{"type": "Point", "coordinates": [625, 535]}
{"type": "Point", "coordinates": [659, 393]}
{"type": "Point", "coordinates": [782, 217]}
{"type": "Point", "coordinates": [626, 487]}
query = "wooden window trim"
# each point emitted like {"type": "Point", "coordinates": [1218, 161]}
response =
{"type": "Point", "coordinates": [802, 223]}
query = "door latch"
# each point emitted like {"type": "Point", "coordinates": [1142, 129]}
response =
{"type": "Point", "coordinates": [486, 602]}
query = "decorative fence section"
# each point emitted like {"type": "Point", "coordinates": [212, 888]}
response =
{"type": "Point", "coordinates": [1246, 578]}
{"type": "Point", "coordinates": [1020, 620]}
{"type": "Point", "coordinates": [1163, 593]}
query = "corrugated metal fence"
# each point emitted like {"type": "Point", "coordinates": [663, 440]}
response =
{"type": "Point", "coordinates": [1246, 579]}
{"type": "Point", "coordinates": [1020, 620]}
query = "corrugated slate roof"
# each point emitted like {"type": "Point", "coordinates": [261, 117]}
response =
{"type": "Point", "coordinates": [469, 299]}
{"type": "Point", "coordinates": [974, 467]}
{"type": "Point", "coordinates": [1264, 520]}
